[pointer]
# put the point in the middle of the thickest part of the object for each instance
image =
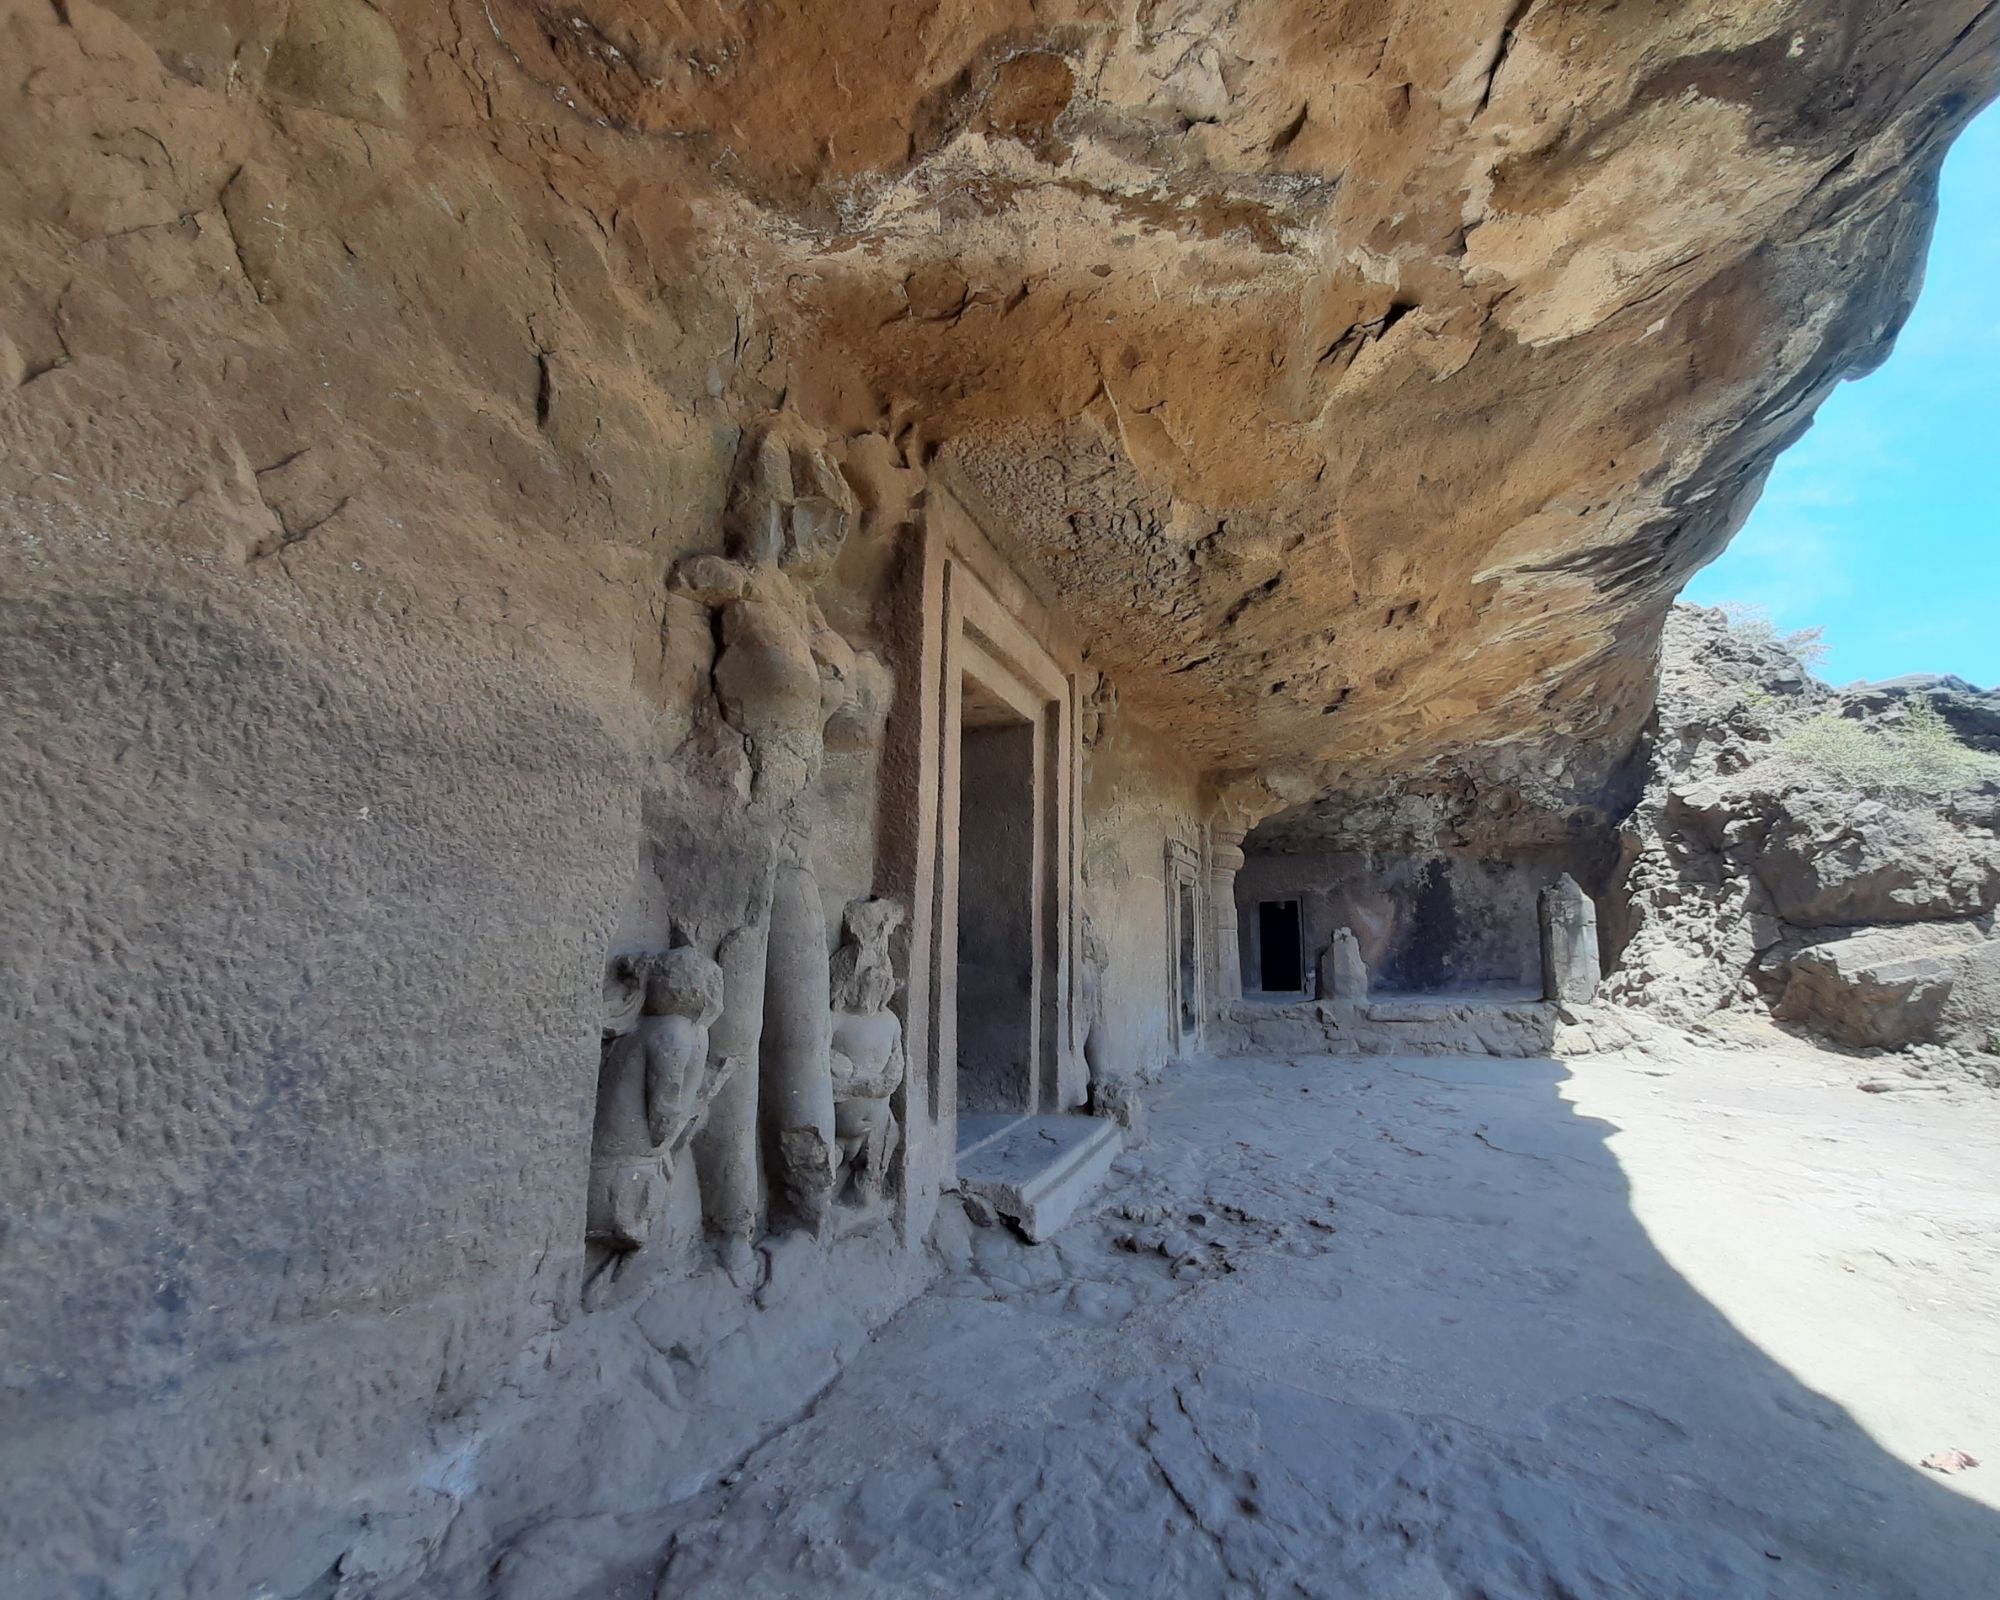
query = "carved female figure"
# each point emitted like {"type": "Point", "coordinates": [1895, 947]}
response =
{"type": "Point", "coordinates": [867, 1047]}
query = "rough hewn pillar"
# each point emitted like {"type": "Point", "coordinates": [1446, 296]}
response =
{"type": "Point", "coordinates": [795, 1077]}
{"type": "Point", "coordinates": [1225, 860]}
{"type": "Point", "coordinates": [725, 1151]}
{"type": "Point", "coordinates": [1570, 963]}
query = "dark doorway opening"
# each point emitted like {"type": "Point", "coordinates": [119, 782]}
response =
{"type": "Point", "coordinates": [996, 911]}
{"type": "Point", "coordinates": [1190, 1019]}
{"type": "Point", "coordinates": [1281, 949]}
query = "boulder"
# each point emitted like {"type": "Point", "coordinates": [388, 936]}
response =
{"type": "Point", "coordinates": [1883, 989]}
{"type": "Point", "coordinates": [1830, 860]}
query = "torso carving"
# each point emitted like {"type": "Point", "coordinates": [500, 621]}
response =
{"type": "Point", "coordinates": [868, 1058]}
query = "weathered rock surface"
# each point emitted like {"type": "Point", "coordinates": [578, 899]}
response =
{"type": "Point", "coordinates": [1972, 713]}
{"type": "Point", "coordinates": [1886, 988]}
{"type": "Point", "coordinates": [1370, 375]}
{"type": "Point", "coordinates": [463, 465]}
{"type": "Point", "coordinates": [1409, 1328]}
{"type": "Point", "coordinates": [1828, 857]}
{"type": "Point", "coordinates": [1756, 880]}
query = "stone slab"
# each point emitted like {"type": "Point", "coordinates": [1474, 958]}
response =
{"type": "Point", "coordinates": [1039, 1171]}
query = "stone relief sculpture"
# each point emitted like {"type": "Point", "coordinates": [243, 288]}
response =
{"type": "Point", "coordinates": [789, 503]}
{"type": "Point", "coordinates": [653, 1089]}
{"type": "Point", "coordinates": [867, 1059]}
{"type": "Point", "coordinates": [725, 1149]}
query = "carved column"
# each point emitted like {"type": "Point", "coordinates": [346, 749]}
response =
{"type": "Point", "coordinates": [725, 1151]}
{"type": "Point", "coordinates": [796, 1077]}
{"type": "Point", "coordinates": [1225, 859]}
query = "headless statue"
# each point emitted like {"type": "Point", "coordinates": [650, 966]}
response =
{"type": "Point", "coordinates": [653, 1092]}
{"type": "Point", "coordinates": [868, 1058]}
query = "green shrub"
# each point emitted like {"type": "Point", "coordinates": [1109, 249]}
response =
{"type": "Point", "coordinates": [1807, 646]}
{"type": "Point", "coordinates": [1919, 755]}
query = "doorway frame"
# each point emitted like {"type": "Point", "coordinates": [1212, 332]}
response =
{"type": "Point", "coordinates": [1184, 886]}
{"type": "Point", "coordinates": [967, 611]}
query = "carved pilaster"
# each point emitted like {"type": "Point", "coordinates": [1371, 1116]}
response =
{"type": "Point", "coordinates": [1225, 860]}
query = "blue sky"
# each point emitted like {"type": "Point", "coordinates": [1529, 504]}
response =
{"type": "Point", "coordinates": [1882, 525]}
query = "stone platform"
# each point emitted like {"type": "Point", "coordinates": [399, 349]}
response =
{"type": "Point", "coordinates": [1476, 1023]}
{"type": "Point", "coordinates": [1034, 1171]}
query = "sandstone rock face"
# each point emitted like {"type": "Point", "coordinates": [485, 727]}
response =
{"type": "Point", "coordinates": [1755, 879]}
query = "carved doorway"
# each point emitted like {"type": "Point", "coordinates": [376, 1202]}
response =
{"type": "Point", "coordinates": [998, 906]}
{"type": "Point", "coordinates": [1185, 1000]}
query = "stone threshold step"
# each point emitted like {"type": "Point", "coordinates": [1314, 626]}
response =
{"type": "Point", "coordinates": [1036, 1171]}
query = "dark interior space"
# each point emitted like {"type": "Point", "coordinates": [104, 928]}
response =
{"type": "Point", "coordinates": [1281, 959]}
{"type": "Point", "coordinates": [996, 950]}
{"type": "Point", "coordinates": [1185, 960]}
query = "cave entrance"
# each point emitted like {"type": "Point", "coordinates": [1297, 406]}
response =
{"type": "Point", "coordinates": [1456, 924]}
{"type": "Point", "coordinates": [997, 906]}
{"type": "Point", "coordinates": [1280, 947]}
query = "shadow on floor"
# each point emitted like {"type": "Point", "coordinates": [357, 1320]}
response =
{"type": "Point", "coordinates": [1375, 1330]}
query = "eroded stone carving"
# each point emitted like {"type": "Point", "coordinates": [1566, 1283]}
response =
{"type": "Point", "coordinates": [725, 1149]}
{"type": "Point", "coordinates": [1343, 975]}
{"type": "Point", "coordinates": [867, 1059]}
{"type": "Point", "coordinates": [769, 683]}
{"type": "Point", "coordinates": [653, 1088]}
{"type": "Point", "coordinates": [789, 503]}
{"type": "Point", "coordinates": [1570, 965]}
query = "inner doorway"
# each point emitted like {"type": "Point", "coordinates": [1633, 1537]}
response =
{"type": "Point", "coordinates": [1184, 976]}
{"type": "Point", "coordinates": [1281, 947]}
{"type": "Point", "coordinates": [1190, 1017]}
{"type": "Point", "coordinates": [996, 907]}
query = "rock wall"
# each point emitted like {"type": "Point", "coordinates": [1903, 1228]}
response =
{"type": "Point", "coordinates": [1138, 794]}
{"type": "Point", "coordinates": [412, 607]}
{"type": "Point", "coordinates": [1756, 879]}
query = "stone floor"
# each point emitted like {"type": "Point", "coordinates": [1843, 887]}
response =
{"type": "Point", "coordinates": [1677, 1325]}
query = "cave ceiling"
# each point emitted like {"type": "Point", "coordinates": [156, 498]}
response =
{"type": "Point", "coordinates": [1363, 377]}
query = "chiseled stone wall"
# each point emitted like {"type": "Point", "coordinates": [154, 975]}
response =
{"type": "Point", "coordinates": [1139, 792]}
{"type": "Point", "coordinates": [306, 916]}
